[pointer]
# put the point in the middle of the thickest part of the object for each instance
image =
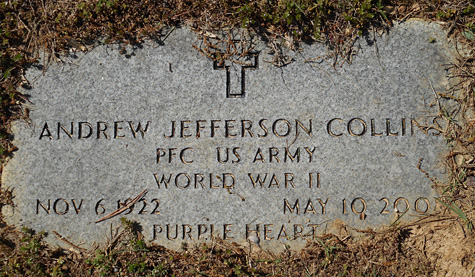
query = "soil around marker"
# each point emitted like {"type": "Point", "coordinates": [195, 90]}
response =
{"type": "Point", "coordinates": [439, 244]}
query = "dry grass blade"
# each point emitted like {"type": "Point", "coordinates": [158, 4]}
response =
{"type": "Point", "coordinates": [121, 210]}
{"type": "Point", "coordinates": [61, 238]}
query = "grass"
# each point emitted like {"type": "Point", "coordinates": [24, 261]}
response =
{"type": "Point", "coordinates": [51, 29]}
{"type": "Point", "coordinates": [457, 211]}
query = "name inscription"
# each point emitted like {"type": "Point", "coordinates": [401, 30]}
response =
{"type": "Point", "coordinates": [262, 128]}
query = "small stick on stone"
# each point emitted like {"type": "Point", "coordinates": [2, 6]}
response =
{"type": "Point", "coordinates": [121, 210]}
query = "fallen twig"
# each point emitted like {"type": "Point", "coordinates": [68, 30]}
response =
{"type": "Point", "coordinates": [121, 210]}
{"type": "Point", "coordinates": [61, 238]}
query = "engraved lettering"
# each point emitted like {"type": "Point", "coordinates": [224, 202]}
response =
{"type": "Point", "coordinates": [184, 126]}
{"type": "Point", "coordinates": [236, 154]}
{"type": "Point", "coordinates": [65, 206]}
{"type": "Point", "coordinates": [143, 211]}
{"type": "Point", "coordinates": [157, 203]}
{"type": "Point", "coordinates": [291, 209]}
{"type": "Point", "coordinates": [388, 128]}
{"type": "Point", "coordinates": [211, 232]}
{"type": "Point", "coordinates": [396, 205]}
{"type": "Point", "coordinates": [160, 153]}
{"type": "Point", "coordinates": [413, 121]}
{"type": "Point", "coordinates": [259, 180]}
{"type": "Point", "coordinates": [40, 204]}
{"type": "Point", "coordinates": [211, 182]}
{"type": "Point", "coordinates": [310, 153]}
{"type": "Point", "coordinates": [218, 154]}
{"type": "Point", "coordinates": [310, 180]}
{"type": "Point", "coordinates": [274, 182]}
{"type": "Point", "coordinates": [305, 129]}
{"type": "Point", "coordinates": [214, 127]}
{"type": "Point", "coordinates": [283, 233]}
{"type": "Point", "coordinates": [298, 230]}
{"type": "Point", "coordinates": [182, 155]}
{"type": "Point", "coordinates": [275, 128]}
{"type": "Point", "coordinates": [273, 154]}
{"type": "Point", "coordinates": [48, 132]}
{"type": "Point", "coordinates": [198, 129]}
{"type": "Point", "coordinates": [188, 180]}
{"type": "Point", "coordinates": [202, 229]}
{"type": "Point", "coordinates": [386, 201]}
{"type": "Point", "coordinates": [403, 125]}
{"type": "Point", "coordinates": [156, 231]}
{"type": "Point", "coordinates": [80, 131]}
{"type": "Point", "coordinates": [163, 181]}
{"type": "Point", "coordinates": [226, 232]}
{"type": "Point", "coordinates": [313, 234]}
{"type": "Point", "coordinates": [361, 213]}
{"type": "Point", "coordinates": [100, 209]}
{"type": "Point", "coordinates": [249, 231]}
{"type": "Point", "coordinates": [123, 204]}
{"type": "Point", "coordinates": [427, 205]}
{"type": "Point", "coordinates": [77, 208]}
{"type": "Point", "coordinates": [309, 208]}
{"type": "Point", "coordinates": [373, 130]}
{"type": "Point", "coordinates": [267, 230]}
{"type": "Point", "coordinates": [322, 204]}
{"type": "Point", "coordinates": [224, 180]}
{"type": "Point", "coordinates": [101, 129]}
{"type": "Point", "coordinates": [139, 129]}
{"type": "Point", "coordinates": [172, 134]}
{"type": "Point", "coordinates": [234, 151]}
{"type": "Point", "coordinates": [329, 128]}
{"type": "Point", "coordinates": [68, 133]}
{"type": "Point", "coordinates": [264, 128]}
{"type": "Point", "coordinates": [171, 153]}
{"type": "Point", "coordinates": [228, 126]}
{"type": "Point", "coordinates": [117, 129]}
{"type": "Point", "coordinates": [186, 231]}
{"type": "Point", "coordinates": [289, 179]}
{"type": "Point", "coordinates": [246, 126]}
{"type": "Point", "coordinates": [199, 181]}
{"type": "Point", "coordinates": [259, 156]}
{"type": "Point", "coordinates": [362, 124]}
{"type": "Point", "coordinates": [290, 156]}
{"type": "Point", "coordinates": [168, 232]}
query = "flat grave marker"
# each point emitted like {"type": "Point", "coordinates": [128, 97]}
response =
{"type": "Point", "coordinates": [232, 150]}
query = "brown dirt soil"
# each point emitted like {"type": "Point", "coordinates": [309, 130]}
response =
{"type": "Point", "coordinates": [447, 246]}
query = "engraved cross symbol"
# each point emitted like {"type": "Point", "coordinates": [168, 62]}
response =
{"type": "Point", "coordinates": [235, 82]}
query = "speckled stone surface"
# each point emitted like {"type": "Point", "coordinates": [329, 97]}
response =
{"type": "Point", "coordinates": [328, 145]}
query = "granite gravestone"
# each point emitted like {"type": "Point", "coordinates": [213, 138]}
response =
{"type": "Point", "coordinates": [232, 150]}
